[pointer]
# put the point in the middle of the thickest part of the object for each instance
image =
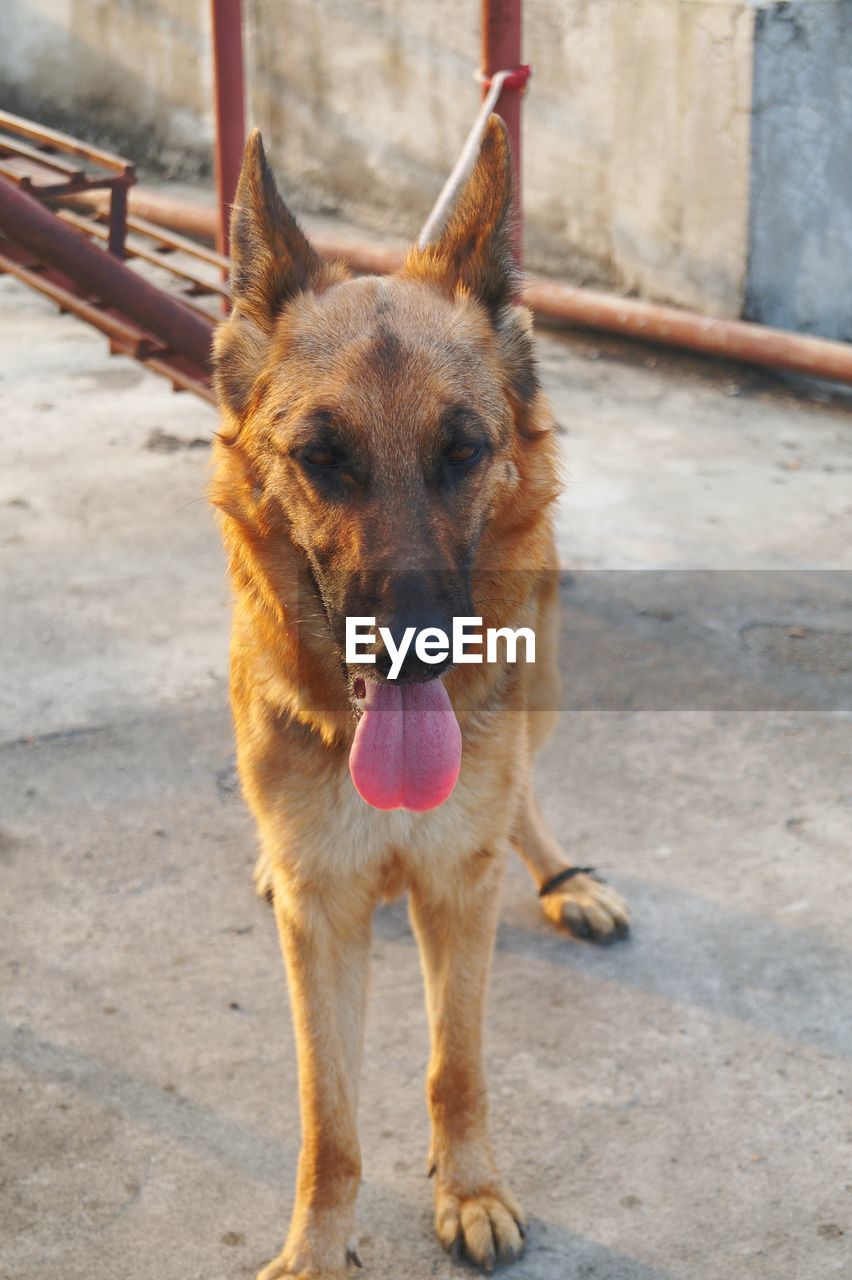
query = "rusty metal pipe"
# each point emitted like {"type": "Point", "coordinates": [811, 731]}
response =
{"type": "Point", "coordinates": [28, 224]}
{"type": "Point", "coordinates": [673, 327]}
{"type": "Point", "coordinates": [566, 305]}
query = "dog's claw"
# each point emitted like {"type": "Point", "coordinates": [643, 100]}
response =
{"type": "Point", "coordinates": [352, 1257]}
{"type": "Point", "coordinates": [485, 1227]}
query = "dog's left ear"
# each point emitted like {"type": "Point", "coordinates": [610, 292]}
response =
{"type": "Point", "coordinates": [473, 256]}
{"type": "Point", "coordinates": [473, 253]}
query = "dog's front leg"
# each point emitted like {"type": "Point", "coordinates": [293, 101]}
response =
{"type": "Point", "coordinates": [325, 938]}
{"type": "Point", "coordinates": [455, 921]}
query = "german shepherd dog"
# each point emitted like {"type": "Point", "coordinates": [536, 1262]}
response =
{"type": "Point", "coordinates": [386, 452]}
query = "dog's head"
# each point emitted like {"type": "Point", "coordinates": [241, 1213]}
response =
{"type": "Point", "coordinates": [378, 422]}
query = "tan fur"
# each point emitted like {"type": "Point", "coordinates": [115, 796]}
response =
{"type": "Point", "coordinates": [389, 360]}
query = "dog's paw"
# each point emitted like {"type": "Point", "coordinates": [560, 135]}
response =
{"type": "Point", "coordinates": [588, 908]}
{"type": "Point", "coordinates": [281, 1268]}
{"type": "Point", "coordinates": [487, 1227]}
{"type": "Point", "coordinates": [277, 1269]}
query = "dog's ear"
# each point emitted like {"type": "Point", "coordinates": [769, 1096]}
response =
{"type": "Point", "coordinates": [271, 262]}
{"type": "Point", "coordinates": [473, 253]}
{"type": "Point", "coordinates": [271, 259]}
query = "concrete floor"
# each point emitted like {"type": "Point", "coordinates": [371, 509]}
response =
{"type": "Point", "coordinates": [672, 1108]}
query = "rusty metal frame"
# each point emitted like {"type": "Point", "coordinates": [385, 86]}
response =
{"type": "Point", "coordinates": [158, 253]}
{"type": "Point", "coordinates": [125, 338]}
{"type": "Point", "coordinates": [45, 163]}
{"type": "Point", "coordinates": [59, 254]}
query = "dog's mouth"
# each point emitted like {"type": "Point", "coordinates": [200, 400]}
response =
{"type": "Point", "coordinates": [407, 748]}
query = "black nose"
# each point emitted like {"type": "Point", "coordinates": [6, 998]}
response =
{"type": "Point", "coordinates": [414, 668]}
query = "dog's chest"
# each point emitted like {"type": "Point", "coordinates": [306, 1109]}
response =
{"type": "Point", "coordinates": [393, 847]}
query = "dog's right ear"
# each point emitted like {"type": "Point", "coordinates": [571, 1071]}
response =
{"type": "Point", "coordinates": [271, 262]}
{"type": "Point", "coordinates": [271, 259]}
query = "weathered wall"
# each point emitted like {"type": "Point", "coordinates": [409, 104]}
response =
{"type": "Point", "coordinates": [800, 258]}
{"type": "Point", "coordinates": [679, 162]}
{"type": "Point", "coordinates": [636, 126]}
{"type": "Point", "coordinates": [638, 156]}
{"type": "Point", "coordinates": [131, 74]}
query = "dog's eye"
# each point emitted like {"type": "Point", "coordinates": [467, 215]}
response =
{"type": "Point", "coordinates": [320, 455]}
{"type": "Point", "coordinates": [459, 455]}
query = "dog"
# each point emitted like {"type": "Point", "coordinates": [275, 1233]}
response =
{"type": "Point", "coordinates": [386, 452]}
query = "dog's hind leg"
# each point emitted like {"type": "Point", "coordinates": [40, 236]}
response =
{"type": "Point", "coordinates": [325, 937]}
{"type": "Point", "coordinates": [570, 897]}
{"type": "Point", "coordinates": [455, 923]}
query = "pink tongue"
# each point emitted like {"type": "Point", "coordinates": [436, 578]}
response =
{"type": "Point", "coordinates": [407, 748]}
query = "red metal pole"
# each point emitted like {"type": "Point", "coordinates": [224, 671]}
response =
{"type": "Point", "coordinates": [229, 105]}
{"type": "Point", "coordinates": [501, 51]}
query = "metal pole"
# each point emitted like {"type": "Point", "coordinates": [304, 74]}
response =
{"type": "Point", "coordinates": [501, 51]}
{"type": "Point", "coordinates": [229, 106]}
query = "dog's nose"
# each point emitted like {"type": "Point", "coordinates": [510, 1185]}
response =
{"type": "Point", "coordinates": [413, 668]}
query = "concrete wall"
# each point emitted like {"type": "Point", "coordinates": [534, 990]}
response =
{"type": "Point", "coordinates": [131, 74]}
{"type": "Point", "coordinates": [636, 126]}
{"type": "Point", "coordinates": [638, 162]}
{"type": "Point", "coordinates": [800, 254]}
